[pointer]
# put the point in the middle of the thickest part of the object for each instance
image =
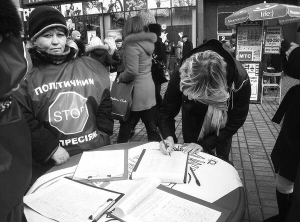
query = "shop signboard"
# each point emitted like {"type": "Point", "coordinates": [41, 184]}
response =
{"type": "Point", "coordinates": [249, 53]}
{"type": "Point", "coordinates": [249, 38]}
{"type": "Point", "coordinates": [253, 73]}
{"type": "Point", "coordinates": [273, 40]}
{"type": "Point", "coordinates": [31, 2]}
{"type": "Point", "coordinates": [224, 37]}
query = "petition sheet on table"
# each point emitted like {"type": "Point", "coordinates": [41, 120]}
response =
{"type": "Point", "coordinates": [217, 177]}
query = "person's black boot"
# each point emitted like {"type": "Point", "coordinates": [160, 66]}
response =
{"type": "Point", "coordinates": [284, 202]}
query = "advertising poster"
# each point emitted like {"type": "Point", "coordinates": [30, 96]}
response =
{"type": "Point", "coordinates": [253, 73]}
{"type": "Point", "coordinates": [131, 5]}
{"type": "Point", "coordinates": [115, 33]}
{"type": "Point", "coordinates": [90, 35]}
{"type": "Point", "coordinates": [70, 10]}
{"type": "Point", "coordinates": [159, 3]}
{"type": "Point", "coordinates": [249, 43]}
{"type": "Point", "coordinates": [179, 3]}
{"type": "Point", "coordinates": [102, 6]}
{"type": "Point", "coordinates": [273, 40]}
{"type": "Point", "coordinates": [26, 13]}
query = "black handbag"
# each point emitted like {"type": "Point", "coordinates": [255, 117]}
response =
{"type": "Point", "coordinates": [121, 96]}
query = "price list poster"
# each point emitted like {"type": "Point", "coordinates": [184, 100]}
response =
{"type": "Point", "coordinates": [249, 53]}
{"type": "Point", "coordinates": [273, 40]}
{"type": "Point", "coordinates": [249, 42]}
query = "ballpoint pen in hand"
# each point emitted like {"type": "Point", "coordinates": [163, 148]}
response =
{"type": "Point", "coordinates": [99, 213]}
{"type": "Point", "coordinates": [162, 139]}
{"type": "Point", "coordinates": [197, 181]}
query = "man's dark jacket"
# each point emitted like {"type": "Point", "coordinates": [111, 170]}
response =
{"type": "Point", "coordinates": [193, 112]}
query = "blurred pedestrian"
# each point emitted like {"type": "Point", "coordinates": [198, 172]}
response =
{"type": "Point", "coordinates": [286, 152]}
{"type": "Point", "coordinates": [65, 99]}
{"type": "Point", "coordinates": [212, 89]}
{"type": "Point", "coordinates": [138, 49]}
{"type": "Point", "coordinates": [76, 37]}
{"type": "Point", "coordinates": [160, 54]}
{"type": "Point", "coordinates": [114, 53]}
{"type": "Point", "coordinates": [98, 51]}
{"type": "Point", "coordinates": [120, 67]}
{"type": "Point", "coordinates": [15, 137]}
{"type": "Point", "coordinates": [187, 45]}
{"type": "Point", "coordinates": [168, 53]}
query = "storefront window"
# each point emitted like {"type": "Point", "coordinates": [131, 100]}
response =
{"type": "Point", "coordinates": [182, 3]}
{"type": "Point", "coordinates": [131, 5]}
{"type": "Point", "coordinates": [107, 17]}
{"type": "Point", "coordinates": [182, 24]}
{"type": "Point", "coordinates": [117, 20]}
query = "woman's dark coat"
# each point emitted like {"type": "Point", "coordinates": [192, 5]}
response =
{"type": "Point", "coordinates": [100, 53]}
{"type": "Point", "coordinates": [286, 153]}
{"type": "Point", "coordinates": [193, 113]}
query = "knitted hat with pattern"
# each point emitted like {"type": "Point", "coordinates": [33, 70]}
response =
{"type": "Point", "coordinates": [44, 17]}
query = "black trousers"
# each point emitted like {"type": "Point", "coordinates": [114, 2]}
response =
{"type": "Point", "coordinates": [149, 119]}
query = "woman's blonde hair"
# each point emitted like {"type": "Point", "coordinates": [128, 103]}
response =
{"type": "Point", "coordinates": [203, 76]}
{"type": "Point", "coordinates": [111, 44]}
{"type": "Point", "coordinates": [95, 41]}
{"type": "Point", "coordinates": [133, 25]}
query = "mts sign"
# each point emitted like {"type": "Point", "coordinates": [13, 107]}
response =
{"type": "Point", "coordinates": [245, 56]}
{"type": "Point", "coordinates": [68, 113]}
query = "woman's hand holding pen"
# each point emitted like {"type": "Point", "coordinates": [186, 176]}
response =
{"type": "Point", "coordinates": [169, 143]}
{"type": "Point", "coordinates": [192, 148]}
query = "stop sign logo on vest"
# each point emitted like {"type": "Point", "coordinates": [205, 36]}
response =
{"type": "Point", "coordinates": [68, 113]}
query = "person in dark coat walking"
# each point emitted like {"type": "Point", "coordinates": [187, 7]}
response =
{"type": "Point", "coordinates": [15, 136]}
{"type": "Point", "coordinates": [187, 45]}
{"type": "Point", "coordinates": [224, 104]}
{"type": "Point", "coordinates": [120, 67]}
{"type": "Point", "coordinates": [286, 152]}
{"type": "Point", "coordinates": [98, 51]}
{"type": "Point", "coordinates": [160, 53]}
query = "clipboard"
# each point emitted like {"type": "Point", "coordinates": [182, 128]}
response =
{"type": "Point", "coordinates": [142, 156]}
{"type": "Point", "coordinates": [82, 170]}
{"type": "Point", "coordinates": [224, 213]}
{"type": "Point", "coordinates": [79, 199]}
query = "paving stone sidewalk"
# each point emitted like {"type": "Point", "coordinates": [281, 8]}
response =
{"type": "Point", "coordinates": [251, 149]}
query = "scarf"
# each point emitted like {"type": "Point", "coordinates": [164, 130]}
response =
{"type": "Point", "coordinates": [71, 50]}
{"type": "Point", "coordinates": [216, 115]}
{"type": "Point", "coordinates": [53, 58]}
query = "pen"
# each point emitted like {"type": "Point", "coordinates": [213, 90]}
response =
{"type": "Point", "coordinates": [162, 139]}
{"type": "Point", "coordinates": [197, 181]}
{"type": "Point", "coordinates": [100, 212]}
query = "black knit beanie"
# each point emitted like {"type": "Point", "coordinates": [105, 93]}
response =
{"type": "Point", "coordinates": [44, 17]}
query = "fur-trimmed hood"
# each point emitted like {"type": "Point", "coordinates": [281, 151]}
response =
{"type": "Point", "coordinates": [9, 18]}
{"type": "Point", "coordinates": [97, 49]}
{"type": "Point", "coordinates": [144, 39]}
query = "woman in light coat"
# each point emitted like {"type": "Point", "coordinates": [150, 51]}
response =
{"type": "Point", "coordinates": [137, 57]}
